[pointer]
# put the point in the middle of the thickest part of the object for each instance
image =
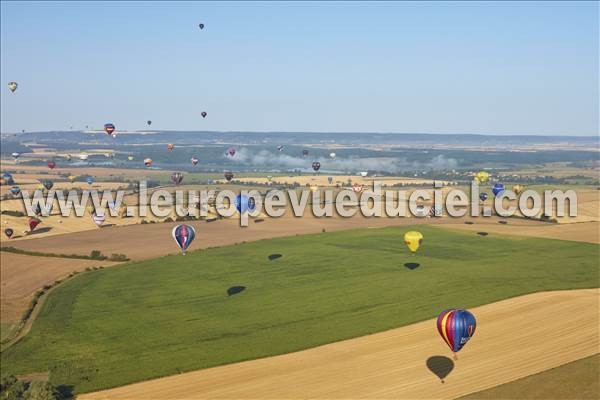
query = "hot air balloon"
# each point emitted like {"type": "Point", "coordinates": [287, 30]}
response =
{"type": "Point", "coordinates": [8, 232]}
{"type": "Point", "coordinates": [148, 162]}
{"type": "Point", "coordinates": [330, 179]}
{"type": "Point", "coordinates": [316, 166]}
{"type": "Point", "coordinates": [204, 114]}
{"type": "Point", "coordinates": [130, 157]}
{"type": "Point", "coordinates": [244, 203]}
{"type": "Point", "coordinates": [456, 327]}
{"type": "Point", "coordinates": [364, 173]}
{"type": "Point", "coordinates": [332, 156]}
{"type": "Point", "coordinates": [357, 188]}
{"type": "Point", "coordinates": [231, 151]}
{"type": "Point", "coordinates": [228, 175]}
{"type": "Point", "coordinates": [482, 177]}
{"type": "Point", "coordinates": [413, 240]}
{"type": "Point", "coordinates": [518, 189]}
{"type": "Point", "coordinates": [13, 86]}
{"type": "Point", "coordinates": [194, 160]}
{"type": "Point", "coordinates": [89, 180]}
{"type": "Point", "coordinates": [38, 210]}
{"type": "Point", "coordinates": [16, 155]}
{"type": "Point", "coordinates": [280, 148]}
{"type": "Point", "coordinates": [33, 223]}
{"type": "Point", "coordinates": [83, 157]}
{"type": "Point", "coordinates": [184, 236]}
{"type": "Point", "coordinates": [98, 219]}
{"type": "Point", "coordinates": [269, 178]}
{"type": "Point", "coordinates": [68, 157]}
{"type": "Point", "coordinates": [15, 191]}
{"type": "Point", "coordinates": [48, 184]}
{"type": "Point", "coordinates": [177, 177]}
{"type": "Point", "coordinates": [304, 153]}
{"type": "Point", "coordinates": [170, 146]}
{"type": "Point", "coordinates": [201, 26]}
{"type": "Point", "coordinates": [8, 178]}
{"type": "Point", "coordinates": [497, 189]}
{"type": "Point", "coordinates": [109, 129]}
{"type": "Point", "coordinates": [483, 196]}
{"type": "Point", "coordinates": [71, 178]}
{"type": "Point", "coordinates": [149, 122]}
{"type": "Point", "coordinates": [51, 164]}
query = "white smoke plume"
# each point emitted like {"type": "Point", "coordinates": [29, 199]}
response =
{"type": "Point", "coordinates": [267, 159]}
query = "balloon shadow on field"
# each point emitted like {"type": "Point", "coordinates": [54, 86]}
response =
{"type": "Point", "coordinates": [503, 222]}
{"type": "Point", "coordinates": [412, 266]}
{"type": "Point", "coordinates": [66, 392]}
{"type": "Point", "coordinates": [274, 256]}
{"type": "Point", "coordinates": [40, 230]}
{"type": "Point", "coordinates": [440, 366]}
{"type": "Point", "coordinates": [482, 233]}
{"type": "Point", "coordinates": [235, 290]}
{"type": "Point", "coordinates": [469, 222]}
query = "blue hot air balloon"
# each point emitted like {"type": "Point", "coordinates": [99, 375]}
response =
{"type": "Point", "coordinates": [456, 327]}
{"type": "Point", "coordinates": [89, 180]}
{"type": "Point", "coordinates": [483, 196]}
{"type": "Point", "coordinates": [15, 190]}
{"type": "Point", "coordinates": [8, 178]}
{"type": "Point", "coordinates": [497, 189]}
{"type": "Point", "coordinates": [184, 236]}
{"type": "Point", "coordinates": [244, 203]}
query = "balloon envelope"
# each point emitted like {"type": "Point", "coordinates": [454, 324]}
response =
{"type": "Point", "coordinates": [48, 184]}
{"type": "Point", "coordinates": [89, 180]}
{"type": "Point", "coordinates": [170, 146]}
{"type": "Point", "coordinates": [33, 222]}
{"type": "Point", "coordinates": [98, 219]}
{"type": "Point", "coordinates": [15, 190]}
{"type": "Point", "coordinates": [518, 189]}
{"type": "Point", "coordinates": [13, 86]}
{"type": "Point", "coordinates": [204, 114]}
{"type": "Point", "coordinates": [413, 240]}
{"type": "Point", "coordinates": [109, 128]}
{"type": "Point", "coordinates": [184, 236]}
{"type": "Point", "coordinates": [231, 151]}
{"type": "Point", "coordinates": [316, 165]}
{"type": "Point", "coordinates": [497, 189]}
{"type": "Point", "coordinates": [331, 155]}
{"type": "Point", "coordinates": [194, 160]}
{"type": "Point", "coordinates": [456, 327]}
{"type": "Point", "coordinates": [228, 175]}
{"type": "Point", "coordinates": [51, 164]}
{"type": "Point", "coordinates": [177, 177]}
{"type": "Point", "coordinates": [482, 177]}
{"type": "Point", "coordinates": [149, 122]}
{"type": "Point", "coordinates": [244, 203]}
{"type": "Point", "coordinates": [483, 196]}
{"type": "Point", "coordinates": [147, 162]}
{"type": "Point", "coordinates": [8, 232]}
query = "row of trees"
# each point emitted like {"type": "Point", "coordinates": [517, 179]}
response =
{"type": "Point", "coordinates": [12, 388]}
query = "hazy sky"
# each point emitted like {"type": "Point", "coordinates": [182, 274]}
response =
{"type": "Point", "coordinates": [514, 68]}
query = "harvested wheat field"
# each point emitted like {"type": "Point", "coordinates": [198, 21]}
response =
{"type": "Point", "coordinates": [21, 275]}
{"type": "Point", "coordinates": [393, 364]}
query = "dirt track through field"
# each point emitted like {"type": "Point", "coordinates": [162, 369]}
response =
{"type": "Point", "coordinates": [514, 338]}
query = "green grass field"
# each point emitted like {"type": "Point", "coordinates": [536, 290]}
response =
{"type": "Point", "coordinates": [160, 317]}
{"type": "Point", "coordinates": [576, 380]}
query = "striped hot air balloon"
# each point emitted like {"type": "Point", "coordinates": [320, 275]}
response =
{"type": "Point", "coordinates": [98, 219]}
{"type": "Point", "coordinates": [109, 129]}
{"type": "Point", "coordinates": [183, 235]}
{"type": "Point", "coordinates": [456, 327]}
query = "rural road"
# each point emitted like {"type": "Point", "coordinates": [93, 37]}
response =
{"type": "Point", "coordinates": [514, 338]}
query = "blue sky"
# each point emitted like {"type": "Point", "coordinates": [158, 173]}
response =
{"type": "Point", "coordinates": [441, 67]}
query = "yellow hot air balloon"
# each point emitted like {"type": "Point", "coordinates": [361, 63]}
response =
{"type": "Point", "coordinates": [482, 177]}
{"type": "Point", "coordinates": [413, 240]}
{"type": "Point", "coordinates": [71, 178]}
{"type": "Point", "coordinates": [518, 189]}
{"type": "Point", "coordinates": [130, 158]}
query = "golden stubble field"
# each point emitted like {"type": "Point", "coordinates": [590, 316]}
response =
{"type": "Point", "coordinates": [393, 364]}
